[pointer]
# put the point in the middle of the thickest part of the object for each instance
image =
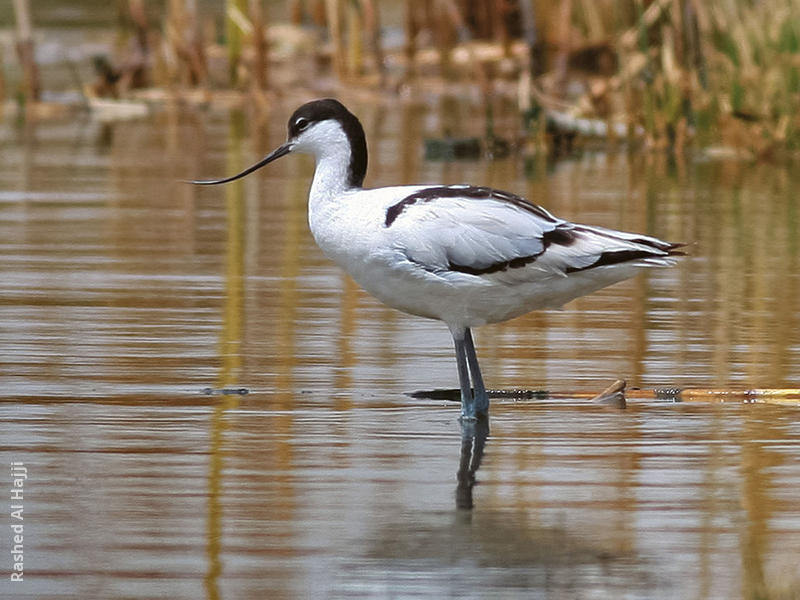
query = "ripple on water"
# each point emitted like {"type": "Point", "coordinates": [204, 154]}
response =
{"type": "Point", "coordinates": [126, 296]}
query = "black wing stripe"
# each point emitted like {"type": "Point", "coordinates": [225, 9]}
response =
{"type": "Point", "coordinates": [562, 235]}
{"type": "Point", "coordinates": [514, 263]}
{"type": "Point", "coordinates": [565, 237]}
{"type": "Point", "coordinates": [471, 192]}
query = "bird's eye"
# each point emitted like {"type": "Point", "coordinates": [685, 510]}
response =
{"type": "Point", "coordinates": [301, 123]}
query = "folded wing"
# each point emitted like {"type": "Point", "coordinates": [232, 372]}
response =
{"type": "Point", "coordinates": [487, 233]}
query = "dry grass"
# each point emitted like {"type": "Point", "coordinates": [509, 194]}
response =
{"type": "Point", "coordinates": [673, 73]}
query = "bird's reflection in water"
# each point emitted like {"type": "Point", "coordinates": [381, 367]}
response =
{"type": "Point", "coordinates": [473, 442]}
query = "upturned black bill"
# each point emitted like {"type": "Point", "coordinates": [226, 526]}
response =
{"type": "Point", "coordinates": [274, 155]}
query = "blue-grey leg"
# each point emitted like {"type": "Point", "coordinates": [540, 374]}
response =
{"type": "Point", "coordinates": [481, 397]}
{"type": "Point", "coordinates": [467, 403]}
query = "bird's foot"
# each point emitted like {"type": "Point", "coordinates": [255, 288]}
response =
{"type": "Point", "coordinates": [482, 404]}
{"type": "Point", "coordinates": [474, 415]}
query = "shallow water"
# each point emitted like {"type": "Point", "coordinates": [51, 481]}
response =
{"type": "Point", "coordinates": [129, 301]}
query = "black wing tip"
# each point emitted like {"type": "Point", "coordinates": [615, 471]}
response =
{"type": "Point", "coordinates": [619, 257]}
{"type": "Point", "coordinates": [674, 249]}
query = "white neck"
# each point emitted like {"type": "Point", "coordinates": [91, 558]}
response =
{"type": "Point", "coordinates": [331, 174]}
{"type": "Point", "coordinates": [325, 199]}
{"type": "Point", "coordinates": [331, 149]}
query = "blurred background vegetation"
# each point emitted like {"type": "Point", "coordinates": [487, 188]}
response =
{"type": "Point", "coordinates": [720, 75]}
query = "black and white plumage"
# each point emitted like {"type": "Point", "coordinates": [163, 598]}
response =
{"type": "Point", "coordinates": [461, 254]}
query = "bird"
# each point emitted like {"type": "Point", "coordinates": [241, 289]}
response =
{"type": "Point", "coordinates": [462, 254]}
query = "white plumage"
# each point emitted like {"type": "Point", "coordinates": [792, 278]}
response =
{"type": "Point", "coordinates": [462, 254]}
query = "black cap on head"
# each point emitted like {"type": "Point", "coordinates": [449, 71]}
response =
{"type": "Point", "coordinates": [327, 109]}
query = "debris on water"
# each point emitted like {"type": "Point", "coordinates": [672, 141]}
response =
{"type": "Point", "coordinates": [618, 394]}
{"type": "Point", "coordinates": [225, 391]}
{"type": "Point", "coordinates": [613, 395]}
{"type": "Point", "coordinates": [671, 394]}
{"type": "Point", "coordinates": [440, 394]}
{"type": "Point", "coordinates": [497, 147]}
{"type": "Point", "coordinates": [454, 395]}
{"type": "Point", "coordinates": [786, 396]}
{"type": "Point", "coordinates": [519, 394]}
{"type": "Point", "coordinates": [450, 148]}
{"type": "Point", "coordinates": [466, 148]}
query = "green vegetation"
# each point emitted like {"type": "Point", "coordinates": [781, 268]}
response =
{"type": "Point", "coordinates": [666, 74]}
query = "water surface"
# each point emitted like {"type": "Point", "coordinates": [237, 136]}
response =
{"type": "Point", "coordinates": [129, 300]}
